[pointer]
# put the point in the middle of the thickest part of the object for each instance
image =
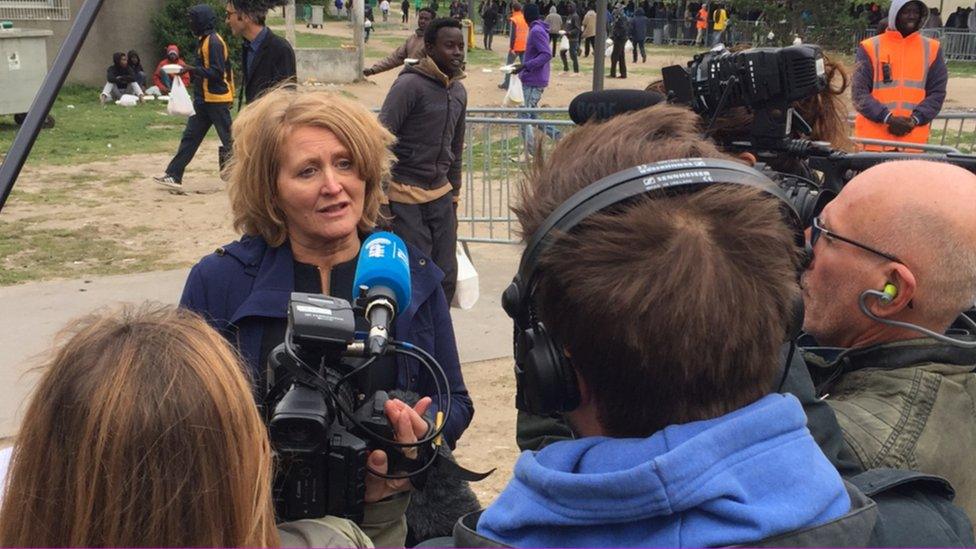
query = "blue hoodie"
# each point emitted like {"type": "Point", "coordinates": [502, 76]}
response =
{"type": "Point", "coordinates": [738, 478]}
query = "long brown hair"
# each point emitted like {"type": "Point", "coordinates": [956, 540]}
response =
{"type": "Point", "coordinates": [142, 432]}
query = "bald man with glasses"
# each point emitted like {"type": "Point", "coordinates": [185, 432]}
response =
{"type": "Point", "coordinates": [900, 241]}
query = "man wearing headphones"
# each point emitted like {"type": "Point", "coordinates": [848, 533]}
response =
{"type": "Point", "coordinates": [680, 442]}
{"type": "Point", "coordinates": [650, 307]}
{"type": "Point", "coordinates": [894, 265]}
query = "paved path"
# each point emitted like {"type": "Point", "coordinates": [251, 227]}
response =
{"type": "Point", "coordinates": [33, 313]}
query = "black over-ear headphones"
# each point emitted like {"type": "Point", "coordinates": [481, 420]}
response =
{"type": "Point", "coordinates": [545, 380]}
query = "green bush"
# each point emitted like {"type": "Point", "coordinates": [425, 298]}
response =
{"type": "Point", "coordinates": [170, 25]}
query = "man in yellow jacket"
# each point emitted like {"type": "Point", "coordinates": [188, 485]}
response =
{"type": "Point", "coordinates": [720, 18]}
{"type": "Point", "coordinates": [213, 95]}
{"type": "Point", "coordinates": [900, 78]}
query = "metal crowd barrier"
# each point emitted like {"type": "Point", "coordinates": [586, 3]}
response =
{"type": "Point", "coordinates": [494, 164]}
{"type": "Point", "coordinates": [901, 146]}
{"type": "Point", "coordinates": [951, 132]}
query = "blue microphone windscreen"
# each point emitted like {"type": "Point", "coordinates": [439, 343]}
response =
{"type": "Point", "coordinates": [384, 261]}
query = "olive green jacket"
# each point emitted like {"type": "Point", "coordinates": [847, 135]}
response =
{"type": "Point", "coordinates": [384, 525]}
{"type": "Point", "coordinates": [909, 404]}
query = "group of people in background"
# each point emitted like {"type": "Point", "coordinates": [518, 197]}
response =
{"type": "Point", "coordinates": [124, 76]}
{"type": "Point", "coordinates": [127, 76]}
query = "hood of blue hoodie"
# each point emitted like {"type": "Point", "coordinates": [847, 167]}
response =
{"type": "Point", "coordinates": [738, 478]}
{"type": "Point", "coordinates": [203, 20]}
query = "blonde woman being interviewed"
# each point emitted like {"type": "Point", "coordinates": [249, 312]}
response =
{"type": "Point", "coordinates": [142, 432]}
{"type": "Point", "coordinates": [305, 189]}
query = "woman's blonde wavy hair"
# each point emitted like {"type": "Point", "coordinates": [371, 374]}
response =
{"type": "Point", "coordinates": [142, 432]}
{"type": "Point", "coordinates": [259, 134]}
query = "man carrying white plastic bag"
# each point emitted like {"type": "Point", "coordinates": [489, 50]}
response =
{"type": "Point", "coordinates": [213, 95]}
{"type": "Point", "coordinates": [180, 103]}
{"type": "Point", "coordinates": [514, 97]}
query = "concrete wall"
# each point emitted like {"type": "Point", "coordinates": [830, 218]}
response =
{"type": "Point", "coordinates": [121, 25]}
{"type": "Point", "coordinates": [336, 66]}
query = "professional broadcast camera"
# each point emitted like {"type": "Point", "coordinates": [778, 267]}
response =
{"type": "Point", "coordinates": [321, 423]}
{"type": "Point", "coordinates": [767, 80]}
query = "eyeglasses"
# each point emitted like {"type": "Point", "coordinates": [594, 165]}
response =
{"type": "Point", "coordinates": [818, 229]}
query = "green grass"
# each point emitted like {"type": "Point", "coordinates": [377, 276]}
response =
{"type": "Point", "coordinates": [483, 58]}
{"type": "Point", "coordinates": [83, 133]}
{"type": "Point", "coordinates": [964, 141]}
{"type": "Point", "coordinates": [961, 69]}
{"type": "Point", "coordinates": [28, 253]}
{"type": "Point", "coordinates": [496, 156]}
{"type": "Point", "coordinates": [309, 40]}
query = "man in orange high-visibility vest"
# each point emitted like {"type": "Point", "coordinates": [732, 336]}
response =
{"type": "Point", "coordinates": [518, 34]}
{"type": "Point", "coordinates": [900, 79]}
{"type": "Point", "coordinates": [701, 24]}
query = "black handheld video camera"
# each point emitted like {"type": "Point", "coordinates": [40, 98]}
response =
{"type": "Point", "coordinates": [322, 426]}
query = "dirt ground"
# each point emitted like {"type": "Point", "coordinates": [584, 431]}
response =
{"type": "Point", "coordinates": [490, 440]}
{"type": "Point", "coordinates": [183, 227]}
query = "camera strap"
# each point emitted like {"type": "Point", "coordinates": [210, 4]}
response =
{"type": "Point", "coordinates": [444, 465]}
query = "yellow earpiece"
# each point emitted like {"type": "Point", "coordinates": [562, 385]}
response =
{"type": "Point", "coordinates": [890, 291]}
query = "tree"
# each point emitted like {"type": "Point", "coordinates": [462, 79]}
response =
{"type": "Point", "coordinates": [828, 23]}
{"type": "Point", "coordinates": [171, 26]}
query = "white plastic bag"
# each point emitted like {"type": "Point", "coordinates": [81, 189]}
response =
{"type": "Point", "coordinates": [564, 43]}
{"type": "Point", "coordinates": [609, 51]}
{"type": "Point", "coordinates": [609, 42]}
{"type": "Point", "coordinates": [514, 96]}
{"type": "Point", "coordinates": [180, 103]}
{"type": "Point", "coordinates": [629, 46]}
{"type": "Point", "coordinates": [128, 100]}
{"type": "Point", "coordinates": [466, 291]}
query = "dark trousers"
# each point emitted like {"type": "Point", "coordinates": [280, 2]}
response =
{"type": "Point", "coordinates": [406, 16]}
{"type": "Point", "coordinates": [639, 45]}
{"type": "Point", "coordinates": [573, 54]}
{"type": "Point", "coordinates": [432, 227]}
{"type": "Point", "coordinates": [489, 29]}
{"type": "Point", "coordinates": [617, 57]}
{"type": "Point", "coordinates": [554, 38]}
{"type": "Point", "coordinates": [197, 126]}
{"type": "Point", "coordinates": [587, 44]}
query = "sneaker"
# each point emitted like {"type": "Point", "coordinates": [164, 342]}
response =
{"type": "Point", "coordinates": [169, 181]}
{"type": "Point", "coordinates": [521, 159]}
{"type": "Point", "coordinates": [104, 98]}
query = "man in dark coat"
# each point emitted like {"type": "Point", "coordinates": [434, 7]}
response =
{"type": "Point", "coordinates": [425, 111]}
{"type": "Point", "coordinates": [267, 58]}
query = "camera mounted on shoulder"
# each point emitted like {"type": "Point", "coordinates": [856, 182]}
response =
{"type": "Point", "coordinates": [768, 82]}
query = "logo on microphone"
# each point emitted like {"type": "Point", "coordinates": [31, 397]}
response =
{"type": "Point", "coordinates": [377, 247]}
